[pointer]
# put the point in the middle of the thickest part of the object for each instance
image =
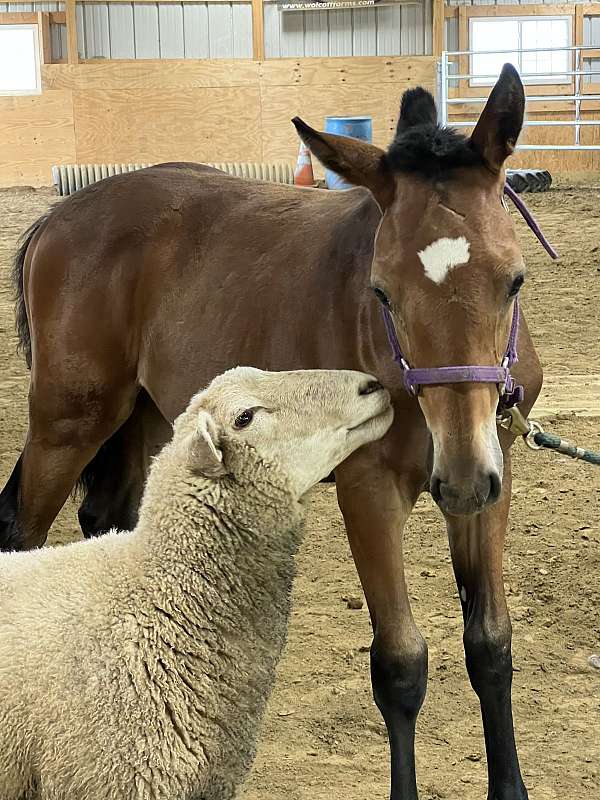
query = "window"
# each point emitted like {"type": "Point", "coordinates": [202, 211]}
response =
{"type": "Point", "coordinates": [516, 34]}
{"type": "Point", "coordinates": [19, 59]}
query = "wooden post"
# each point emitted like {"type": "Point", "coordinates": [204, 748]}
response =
{"type": "Point", "coordinates": [72, 54]}
{"type": "Point", "coordinates": [258, 30]}
{"type": "Point", "coordinates": [44, 34]}
{"type": "Point", "coordinates": [439, 23]}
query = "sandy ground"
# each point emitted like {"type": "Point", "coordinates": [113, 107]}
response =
{"type": "Point", "coordinates": [323, 737]}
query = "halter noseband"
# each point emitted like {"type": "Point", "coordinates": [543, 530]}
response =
{"type": "Point", "coordinates": [511, 393]}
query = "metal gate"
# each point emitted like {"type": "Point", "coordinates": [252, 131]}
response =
{"type": "Point", "coordinates": [450, 95]}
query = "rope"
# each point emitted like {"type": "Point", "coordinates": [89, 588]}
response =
{"type": "Point", "coordinates": [553, 442]}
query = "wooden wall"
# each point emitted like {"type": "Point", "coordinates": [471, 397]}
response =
{"type": "Point", "coordinates": [122, 111]}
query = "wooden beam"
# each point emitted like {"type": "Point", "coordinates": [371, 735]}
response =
{"type": "Point", "coordinates": [18, 18]}
{"type": "Point", "coordinates": [521, 11]}
{"type": "Point", "coordinates": [44, 36]}
{"type": "Point", "coordinates": [258, 30]}
{"type": "Point", "coordinates": [439, 24]}
{"type": "Point", "coordinates": [71, 19]}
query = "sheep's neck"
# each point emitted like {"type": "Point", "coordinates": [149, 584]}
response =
{"type": "Point", "coordinates": [231, 539]}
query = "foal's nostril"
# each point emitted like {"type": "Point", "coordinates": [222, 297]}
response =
{"type": "Point", "coordinates": [495, 487]}
{"type": "Point", "coordinates": [370, 387]}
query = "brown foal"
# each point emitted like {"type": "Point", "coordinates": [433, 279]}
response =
{"type": "Point", "coordinates": [136, 291]}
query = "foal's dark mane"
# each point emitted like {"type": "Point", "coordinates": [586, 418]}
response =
{"type": "Point", "coordinates": [421, 145]}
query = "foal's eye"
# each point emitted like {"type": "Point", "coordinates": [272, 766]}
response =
{"type": "Point", "coordinates": [381, 296]}
{"type": "Point", "coordinates": [516, 285]}
{"type": "Point", "coordinates": [244, 419]}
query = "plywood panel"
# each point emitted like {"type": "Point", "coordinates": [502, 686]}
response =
{"type": "Point", "coordinates": [151, 74]}
{"type": "Point", "coordinates": [349, 72]}
{"type": "Point", "coordinates": [189, 124]}
{"type": "Point", "coordinates": [36, 132]}
{"type": "Point", "coordinates": [280, 104]}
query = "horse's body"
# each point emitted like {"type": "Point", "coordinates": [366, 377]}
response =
{"type": "Point", "coordinates": [140, 289]}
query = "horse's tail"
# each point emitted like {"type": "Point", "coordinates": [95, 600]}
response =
{"type": "Point", "coordinates": [21, 321]}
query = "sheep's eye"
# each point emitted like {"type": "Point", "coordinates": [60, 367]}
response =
{"type": "Point", "coordinates": [244, 419]}
{"type": "Point", "coordinates": [516, 285]}
{"type": "Point", "coordinates": [381, 296]}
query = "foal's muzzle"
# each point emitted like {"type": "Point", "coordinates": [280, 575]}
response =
{"type": "Point", "coordinates": [466, 496]}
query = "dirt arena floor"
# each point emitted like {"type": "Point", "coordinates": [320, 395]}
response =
{"type": "Point", "coordinates": [323, 739]}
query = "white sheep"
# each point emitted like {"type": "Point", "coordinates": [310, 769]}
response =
{"type": "Point", "coordinates": [138, 665]}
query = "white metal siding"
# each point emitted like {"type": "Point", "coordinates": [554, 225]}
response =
{"type": "Point", "coordinates": [164, 30]}
{"type": "Point", "coordinates": [384, 31]}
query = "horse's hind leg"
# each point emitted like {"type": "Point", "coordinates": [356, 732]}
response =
{"type": "Point", "coordinates": [68, 422]}
{"type": "Point", "coordinates": [114, 480]}
{"type": "Point", "coordinates": [476, 543]}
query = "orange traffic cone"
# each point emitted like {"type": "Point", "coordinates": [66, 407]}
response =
{"type": "Point", "coordinates": [303, 174]}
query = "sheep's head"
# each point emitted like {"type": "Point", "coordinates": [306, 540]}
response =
{"type": "Point", "coordinates": [307, 421]}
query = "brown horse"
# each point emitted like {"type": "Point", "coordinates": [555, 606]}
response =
{"type": "Point", "coordinates": [136, 291]}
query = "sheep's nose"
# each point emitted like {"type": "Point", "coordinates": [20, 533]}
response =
{"type": "Point", "coordinates": [370, 387]}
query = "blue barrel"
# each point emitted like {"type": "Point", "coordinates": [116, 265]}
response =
{"type": "Point", "coordinates": [353, 127]}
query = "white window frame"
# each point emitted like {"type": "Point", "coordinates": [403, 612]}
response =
{"type": "Point", "coordinates": [35, 28]}
{"type": "Point", "coordinates": [557, 80]}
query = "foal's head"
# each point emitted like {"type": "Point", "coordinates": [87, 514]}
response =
{"type": "Point", "coordinates": [448, 264]}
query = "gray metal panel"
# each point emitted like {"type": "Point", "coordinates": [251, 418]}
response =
{"type": "Point", "coordinates": [20, 7]}
{"type": "Point", "coordinates": [242, 30]}
{"type": "Point", "coordinates": [595, 31]}
{"type": "Point", "coordinates": [316, 33]}
{"type": "Point", "coordinates": [428, 26]}
{"type": "Point", "coordinates": [97, 38]}
{"type": "Point", "coordinates": [81, 48]}
{"type": "Point", "coordinates": [340, 32]}
{"type": "Point", "coordinates": [220, 33]}
{"type": "Point", "coordinates": [146, 30]}
{"type": "Point", "coordinates": [170, 23]}
{"type": "Point", "coordinates": [291, 34]}
{"type": "Point", "coordinates": [195, 28]}
{"type": "Point", "coordinates": [120, 21]}
{"type": "Point", "coordinates": [272, 31]}
{"type": "Point", "coordinates": [411, 25]}
{"type": "Point", "coordinates": [388, 31]}
{"type": "Point", "coordinates": [58, 36]}
{"type": "Point", "coordinates": [364, 32]}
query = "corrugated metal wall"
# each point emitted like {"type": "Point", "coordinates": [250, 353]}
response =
{"type": "Point", "coordinates": [385, 31]}
{"type": "Point", "coordinates": [504, 2]}
{"type": "Point", "coordinates": [165, 30]}
{"type": "Point", "coordinates": [57, 32]}
{"type": "Point", "coordinates": [224, 30]}
{"type": "Point", "coordinates": [591, 37]}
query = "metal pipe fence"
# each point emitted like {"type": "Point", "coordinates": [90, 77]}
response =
{"type": "Point", "coordinates": [448, 81]}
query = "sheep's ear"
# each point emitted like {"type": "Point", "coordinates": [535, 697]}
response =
{"type": "Point", "coordinates": [205, 456]}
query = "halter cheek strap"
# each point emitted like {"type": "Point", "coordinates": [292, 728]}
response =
{"type": "Point", "coordinates": [510, 393]}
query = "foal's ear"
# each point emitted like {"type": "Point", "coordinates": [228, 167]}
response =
{"type": "Point", "coordinates": [204, 453]}
{"type": "Point", "coordinates": [416, 108]}
{"type": "Point", "coordinates": [495, 135]}
{"type": "Point", "coordinates": [358, 162]}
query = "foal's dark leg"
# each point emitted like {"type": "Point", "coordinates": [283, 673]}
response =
{"type": "Point", "coordinates": [114, 480]}
{"type": "Point", "coordinates": [375, 506]}
{"type": "Point", "coordinates": [476, 544]}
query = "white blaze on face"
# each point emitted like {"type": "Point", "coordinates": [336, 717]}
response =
{"type": "Point", "coordinates": [441, 256]}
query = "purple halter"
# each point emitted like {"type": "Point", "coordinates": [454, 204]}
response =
{"type": "Point", "coordinates": [511, 393]}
